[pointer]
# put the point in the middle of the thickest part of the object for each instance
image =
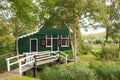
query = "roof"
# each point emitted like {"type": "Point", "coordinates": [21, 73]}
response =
{"type": "Point", "coordinates": [27, 35]}
{"type": "Point", "coordinates": [49, 30]}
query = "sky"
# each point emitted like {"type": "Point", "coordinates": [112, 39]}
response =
{"type": "Point", "coordinates": [90, 31]}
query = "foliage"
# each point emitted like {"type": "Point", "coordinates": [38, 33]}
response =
{"type": "Point", "coordinates": [98, 41]}
{"type": "Point", "coordinates": [106, 71]}
{"type": "Point", "coordinates": [21, 78]}
{"type": "Point", "coordinates": [21, 17]}
{"type": "Point", "coordinates": [69, 53]}
{"type": "Point", "coordinates": [69, 12]}
{"type": "Point", "coordinates": [85, 49]}
{"type": "Point", "coordinates": [6, 39]}
{"type": "Point", "coordinates": [3, 63]}
{"type": "Point", "coordinates": [109, 53]}
{"type": "Point", "coordinates": [75, 72]}
{"type": "Point", "coordinates": [96, 38]}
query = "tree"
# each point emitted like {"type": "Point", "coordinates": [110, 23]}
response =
{"type": "Point", "coordinates": [6, 39]}
{"type": "Point", "coordinates": [108, 15]}
{"type": "Point", "coordinates": [68, 12]}
{"type": "Point", "coordinates": [22, 17]}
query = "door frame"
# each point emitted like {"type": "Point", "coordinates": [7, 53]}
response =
{"type": "Point", "coordinates": [36, 44]}
{"type": "Point", "coordinates": [52, 42]}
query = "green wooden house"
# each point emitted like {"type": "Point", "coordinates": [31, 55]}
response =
{"type": "Point", "coordinates": [46, 38]}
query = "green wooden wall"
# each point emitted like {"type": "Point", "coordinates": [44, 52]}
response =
{"type": "Point", "coordinates": [24, 43]}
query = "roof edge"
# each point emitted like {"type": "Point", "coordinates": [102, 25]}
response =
{"type": "Point", "coordinates": [30, 33]}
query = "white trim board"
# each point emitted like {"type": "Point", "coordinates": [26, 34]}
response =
{"type": "Point", "coordinates": [65, 38]}
{"type": "Point", "coordinates": [36, 44]}
{"type": "Point", "coordinates": [30, 33]}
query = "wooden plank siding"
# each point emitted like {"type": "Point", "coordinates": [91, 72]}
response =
{"type": "Point", "coordinates": [24, 43]}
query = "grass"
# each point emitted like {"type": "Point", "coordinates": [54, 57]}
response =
{"type": "Point", "coordinates": [22, 78]}
{"type": "Point", "coordinates": [10, 76]}
{"type": "Point", "coordinates": [87, 59]}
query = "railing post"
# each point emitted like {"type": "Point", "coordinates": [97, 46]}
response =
{"type": "Point", "coordinates": [20, 67]}
{"type": "Point", "coordinates": [8, 66]}
{"type": "Point", "coordinates": [35, 67]}
{"type": "Point", "coordinates": [66, 59]}
{"type": "Point", "coordinates": [59, 57]}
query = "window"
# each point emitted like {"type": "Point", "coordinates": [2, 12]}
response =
{"type": "Point", "coordinates": [55, 36]}
{"type": "Point", "coordinates": [65, 41]}
{"type": "Point", "coordinates": [48, 40]}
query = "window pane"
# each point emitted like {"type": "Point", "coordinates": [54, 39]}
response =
{"type": "Point", "coordinates": [65, 42]}
{"type": "Point", "coordinates": [48, 36]}
{"type": "Point", "coordinates": [48, 42]}
{"type": "Point", "coordinates": [55, 36]}
{"type": "Point", "coordinates": [64, 36]}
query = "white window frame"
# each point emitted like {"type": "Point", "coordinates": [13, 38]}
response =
{"type": "Point", "coordinates": [52, 42]}
{"type": "Point", "coordinates": [50, 39]}
{"type": "Point", "coordinates": [67, 45]}
{"type": "Point", "coordinates": [55, 37]}
{"type": "Point", "coordinates": [36, 44]}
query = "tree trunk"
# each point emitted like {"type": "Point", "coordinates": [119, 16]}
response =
{"type": "Point", "coordinates": [106, 39]}
{"type": "Point", "coordinates": [119, 49]}
{"type": "Point", "coordinates": [74, 45]}
{"type": "Point", "coordinates": [16, 46]}
{"type": "Point", "coordinates": [74, 53]}
{"type": "Point", "coordinates": [16, 36]}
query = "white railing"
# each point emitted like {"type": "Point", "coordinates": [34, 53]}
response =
{"type": "Point", "coordinates": [12, 58]}
{"type": "Point", "coordinates": [31, 58]}
{"type": "Point", "coordinates": [46, 55]}
{"type": "Point", "coordinates": [26, 61]}
{"type": "Point", "coordinates": [64, 56]}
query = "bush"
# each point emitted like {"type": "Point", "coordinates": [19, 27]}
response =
{"type": "Point", "coordinates": [75, 72]}
{"type": "Point", "coordinates": [85, 49]}
{"type": "Point", "coordinates": [69, 53]}
{"type": "Point", "coordinates": [7, 49]}
{"type": "Point", "coordinates": [3, 63]}
{"type": "Point", "coordinates": [98, 41]}
{"type": "Point", "coordinates": [107, 71]}
{"type": "Point", "coordinates": [108, 53]}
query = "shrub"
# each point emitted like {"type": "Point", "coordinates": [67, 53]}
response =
{"type": "Point", "coordinates": [108, 53]}
{"type": "Point", "coordinates": [75, 72]}
{"type": "Point", "coordinates": [81, 72]}
{"type": "Point", "coordinates": [85, 49]}
{"type": "Point", "coordinates": [98, 41]}
{"type": "Point", "coordinates": [107, 71]}
{"type": "Point", "coordinates": [3, 63]}
{"type": "Point", "coordinates": [69, 53]}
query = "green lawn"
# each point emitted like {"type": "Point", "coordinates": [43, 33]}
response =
{"type": "Point", "coordinates": [89, 58]}
{"type": "Point", "coordinates": [10, 76]}
{"type": "Point", "coordinates": [22, 78]}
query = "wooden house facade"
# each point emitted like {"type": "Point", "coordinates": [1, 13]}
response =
{"type": "Point", "coordinates": [46, 38]}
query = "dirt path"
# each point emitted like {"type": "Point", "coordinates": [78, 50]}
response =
{"type": "Point", "coordinates": [7, 75]}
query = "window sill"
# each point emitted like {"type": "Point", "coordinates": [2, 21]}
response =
{"type": "Point", "coordinates": [64, 45]}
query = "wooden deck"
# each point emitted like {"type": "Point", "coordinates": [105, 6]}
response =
{"type": "Point", "coordinates": [32, 60]}
{"type": "Point", "coordinates": [25, 68]}
{"type": "Point", "coordinates": [30, 66]}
